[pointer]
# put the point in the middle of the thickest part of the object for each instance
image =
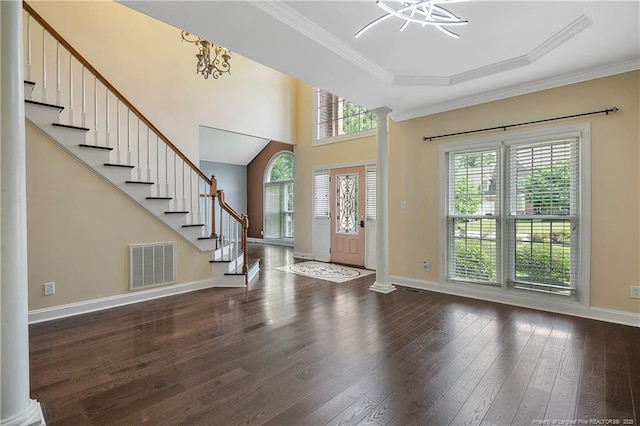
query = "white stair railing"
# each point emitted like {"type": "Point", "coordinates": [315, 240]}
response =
{"type": "Point", "coordinates": [90, 101]}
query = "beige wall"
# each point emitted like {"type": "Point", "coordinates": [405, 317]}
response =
{"type": "Point", "coordinates": [414, 177]}
{"type": "Point", "coordinates": [149, 63]}
{"type": "Point", "coordinates": [615, 249]}
{"type": "Point", "coordinates": [356, 151]}
{"type": "Point", "coordinates": [79, 229]}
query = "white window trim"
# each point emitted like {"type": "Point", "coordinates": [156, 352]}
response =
{"type": "Point", "coordinates": [584, 208]}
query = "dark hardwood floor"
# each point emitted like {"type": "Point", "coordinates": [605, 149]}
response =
{"type": "Point", "coordinates": [291, 350]}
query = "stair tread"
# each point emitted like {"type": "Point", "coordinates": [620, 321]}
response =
{"type": "Point", "coordinates": [127, 166]}
{"type": "Point", "coordinates": [238, 270]}
{"type": "Point", "coordinates": [206, 238]}
{"type": "Point", "coordinates": [159, 198]}
{"type": "Point", "coordinates": [106, 148]}
{"type": "Point", "coordinates": [29, 101]}
{"type": "Point", "coordinates": [140, 182]}
{"type": "Point", "coordinates": [193, 225]}
{"type": "Point", "coordinates": [176, 212]}
{"type": "Point", "coordinates": [70, 126]}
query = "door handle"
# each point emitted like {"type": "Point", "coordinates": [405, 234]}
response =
{"type": "Point", "coordinates": [362, 224]}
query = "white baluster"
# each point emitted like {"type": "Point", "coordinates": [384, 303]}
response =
{"type": "Point", "coordinates": [191, 209]}
{"type": "Point", "coordinates": [166, 169]}
{"type": "Point", "coordinates": [29, 48]}
{"type": "Point", "coordinates": [148, 157]}
{"type": "Point", "coordinates": [95, 110]}
{"type": "Point", "coordinates": [44, 67]}
{"type": "Point", "coordinates": [158, 165]}
{"type": "Point", "coordinates": [128, 136]}
{"type": "Point", "coordinates": [175, 181]}
{"type": "Point", "coordinates": [117, 130]}
{"type": "Point", "coordinates": [107, 121]}
{"type": "Point", "coordinates": [84, 101]}
{"type": "Point", "coordinates": [70, 89]}
{"type": "Point", "coordinates": [57, 73]}
{"type": "Point", "coordinates": [184, 198]}
{"type": "Point", "coordinates": [138, 151]}
{"type": "Point", "coordinates": [206, 217]}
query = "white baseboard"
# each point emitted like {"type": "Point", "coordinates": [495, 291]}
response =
{"type": "Point", "coordinates": [306, 256]}
{"type": "Point", "coordinates": [518, 298]}
{"type": "Point", "coordinates": [72, 309]}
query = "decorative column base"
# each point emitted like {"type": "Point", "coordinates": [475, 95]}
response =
{"type": "Point", "coordinates": [30, 416]}
{"type": "Point", "coordinates": [384, 288]}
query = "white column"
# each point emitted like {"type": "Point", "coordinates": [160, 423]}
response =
{"type": "Point", "coordinates": [382, 284]}
{"type": "Point", "coordinates": [16, 407]}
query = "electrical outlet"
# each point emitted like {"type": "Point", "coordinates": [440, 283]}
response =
{"type": "Point", "coordinates": [635, 291]}
{"type": "Point", "coordinates": [49, 289]}
{"type": "Point", "coordinates": [426, 265]}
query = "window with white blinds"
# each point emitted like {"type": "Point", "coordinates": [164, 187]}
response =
{"type": "Point", "coordinates": [472, 216]}
{"type": "Point", "coordinates": [542, 196]}
{"type": "Point", "coordinates": [321, 194]}
{"type": "Point", "coordinates": [370, 187]}
{"type": "Point", "coordinates": [534, 243]}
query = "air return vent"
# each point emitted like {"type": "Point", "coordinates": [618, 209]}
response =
{"type": "Point", "coordinates": [152, 265]}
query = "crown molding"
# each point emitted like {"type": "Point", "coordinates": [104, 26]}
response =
{"type": "Point", "coordinates": [521, 89]}
{"type": "Point", "coordinates": [306, 27]}
{"type": "Point", "coordinates": [577, 26]}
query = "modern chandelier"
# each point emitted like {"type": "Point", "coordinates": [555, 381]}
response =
{"type": "Point", "coordinates": [421, 12]}
{"type": "Point", "coordinates": [209, 64]}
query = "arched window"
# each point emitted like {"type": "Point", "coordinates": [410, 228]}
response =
{"type": "Point", "coordinates": [278, 196]}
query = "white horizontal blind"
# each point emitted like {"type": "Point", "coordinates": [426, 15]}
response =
{"type": "Point", "coordinates": [542, 199]}
{"type": "Point", "coordinates": [473, 206]}
{"type": "Point", "coordinates": [370, 193]}
{"type": "Point", "coordinates": [321, 195]}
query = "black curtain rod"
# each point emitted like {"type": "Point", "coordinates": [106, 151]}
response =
{"type": "Point", "coordinates": [508, 126]}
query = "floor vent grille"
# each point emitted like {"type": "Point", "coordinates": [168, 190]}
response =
{"type": "Point", "coordinates": [152, 265]}
{"type": "Point", "coordinates": [411, 290]}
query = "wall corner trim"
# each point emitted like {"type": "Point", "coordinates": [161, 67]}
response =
{"type": "Point", "coordinates": [558, 306]}
{"type": "Point", "coordinates": [93, 305]}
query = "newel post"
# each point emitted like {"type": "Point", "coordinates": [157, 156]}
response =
{"type": "Point", "coordinates": [245, 228]}
{"type": "Point", "coordinates": [213, 193]}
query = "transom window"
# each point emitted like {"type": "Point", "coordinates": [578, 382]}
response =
{"type": "Point", "coordinates": [338, 117]}
{"type": "Point", "coordinates": [514, 213]}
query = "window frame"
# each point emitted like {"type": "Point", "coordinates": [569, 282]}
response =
{"type": "Point", "coordinates": [583, 131]}
{"type": "Point", "coordinates": [266, 182]}
{"type": "Point", "coordinates": [316, 141]}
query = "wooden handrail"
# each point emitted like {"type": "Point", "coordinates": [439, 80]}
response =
{"type": "Point", "coordinates": [228, 209]}
{"type": "Point", "coordinates": [244, 222]}
{"type": "Point", "coordinates": [111, 88]}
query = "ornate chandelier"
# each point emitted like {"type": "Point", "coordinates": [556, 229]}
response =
{"type": "Point", "coordinates": [209, 64]}
{"type": "Point", "coordinates": [422, 12]}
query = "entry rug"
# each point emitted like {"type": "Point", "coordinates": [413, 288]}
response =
{"type": "Point", "coordinates": [326, 271]}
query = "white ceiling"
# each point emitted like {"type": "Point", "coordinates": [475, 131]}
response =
{"type": "Point", "coordinates": [508, 48]}
{"type": "Point", "coordinates": [222, 146]}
